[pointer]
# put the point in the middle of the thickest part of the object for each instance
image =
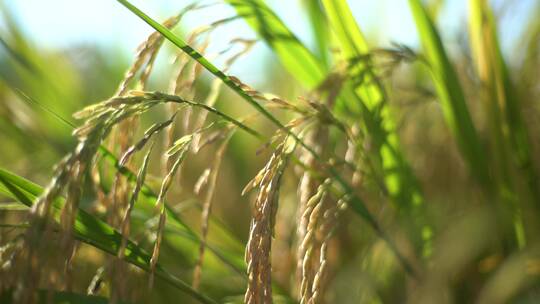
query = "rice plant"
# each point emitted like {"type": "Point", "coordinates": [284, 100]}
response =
{"type": "Point", "coordinates": [393, 174]}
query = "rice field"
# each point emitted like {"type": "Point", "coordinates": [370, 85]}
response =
{"type": "Point", "coordinates": [369, 173]}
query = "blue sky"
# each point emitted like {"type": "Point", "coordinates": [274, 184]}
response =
{"type": "Point", "coordinates": [106, 23]}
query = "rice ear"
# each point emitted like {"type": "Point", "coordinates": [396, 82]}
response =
{"type": "Point", "coordinates": [125, 224]}
{"type": "Point", "coordinates": [258, 248]}
{"type": "Point", "coordinates": [160, 204]}
{"type": "Point", "coordinates": [207, 208]}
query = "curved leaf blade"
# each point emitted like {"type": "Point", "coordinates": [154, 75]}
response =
{"type": "Point", "coordinates": [451, 95]}
{"type": "Point", "coordinates": [296, 58]}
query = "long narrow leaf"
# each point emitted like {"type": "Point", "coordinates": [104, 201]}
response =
{"type": "Point", "coordinates": [296, 58]}
{"type": "Point", "coordinates": [370, 93]}
{"type": "Point", "coordinates": [320, 29]}
{"type": "Point", "coordinates": [451, 95]}
{"type": "Point", "coordinates": [502, 94]}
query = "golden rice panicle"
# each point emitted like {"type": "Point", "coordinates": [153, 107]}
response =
{"type": "Point", "coordinates": [71, 171]}
{"type": "Point", "coordinates": [144, 59]}
{"type": "Point", "coordinates": [146, 54]}
{"type": "Point", "coordinates": [183, 84]}
{"type": "Point", "coordinates": [311, 217]}
{"type": "Point", "coordinates": [160, 202]}
{"type": "Point", "coordinates": [207, 208]}
{"type": "Point", "coordinates": [214, 92]}
{"type": "Point", "coordinates": [326, 229]}
{"type": "Point", "coordinates": [258, 248]}
{"type": "Point", "coordinates": [69, 174]}
{"type": "Point", "coordinates": [126, 220]}
{"type": "Point", "coordinates": [67, 220]}
{"type": "Point", "coordinates": [306, 190]}
{"type": "Point", "coordinates": [188, 72]}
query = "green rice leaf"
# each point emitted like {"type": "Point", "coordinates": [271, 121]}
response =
{"type": "Point", "coordinates": [451, 95]}
{"type": "Point", "coordinates": [296, 58]}
{"type": "Point", "coordinates": [502, 96]}
{"type": "Point", "coordinates": [369, 93]}
{"type": "Point", "coordinates": [352, 41]}
{"type": "Point", "coordinates": [320, 29]}
{"type": "Point", "coordinates": [11, 206]}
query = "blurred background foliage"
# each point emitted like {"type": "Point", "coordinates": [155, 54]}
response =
{"type": "Point", "coordinates": [43, 82]}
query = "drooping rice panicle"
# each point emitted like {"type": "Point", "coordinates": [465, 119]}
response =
{"type": "Point", "coordinates": [125, 225]}
{"type": "Point", "coordinates": [165, 185]}
{"type": "Point", "coordinates": [144, 59]}
{"type": "Point", "coordinates": [258, 248]}
{"type": "Point", "coordinates": [306, 250]}
{"type": "Point", "coordinates": [207, 208]}
{"type": "Point", "coordinates": [146, 54]}
{"type": "Point", "coordinates": [326, 229]}
{"type": "Point", "coordinates": [215, 88]}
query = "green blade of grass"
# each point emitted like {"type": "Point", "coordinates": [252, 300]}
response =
{"type": "Point", "coordinates": [509, 135]}
{"type": "Point", "coordinates": [344, 25]}
{"type": "Point", "coordinates": [371, 95]}
{"type": "Point", "coordinates": [451, 96]}
{"type": "Point", "coordinates": [296, 58]}
{"type": "Point", "coordinates": [92, 231]}
{"type": "Point", "coordinates": [12, 206]}
{"type": "Point", "coordinates": [320, 30]}
{"type": "Point", "coordinates": [399, 180]}
{"type": "Point", "coordinates": [493, 71]}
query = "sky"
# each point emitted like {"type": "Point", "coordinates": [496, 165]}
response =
{"type": "Point", "coordinates": [107, 24]}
